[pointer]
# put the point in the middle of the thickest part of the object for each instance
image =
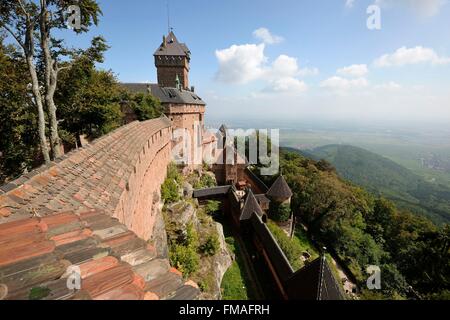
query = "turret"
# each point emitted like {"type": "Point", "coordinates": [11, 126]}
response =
{"type": "Point", "coordinates": [172, 60]}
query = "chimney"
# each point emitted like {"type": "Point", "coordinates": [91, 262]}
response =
{"type": "Point", "coordinates": [164, 41]}
{"type": "Point", "coordinates": [192, 88]}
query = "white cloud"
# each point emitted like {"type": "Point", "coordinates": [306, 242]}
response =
{"type": "Point", "coordinates": [389, 86]}
{"type": "Point", "coordinates": [282, 74]}
{"type": "Point", "coordinates": [241, 63]}
{"type": "Point", "coordinates": [408, 56]}
{"type": "Point", "coordinates": [349, 3]}
{"type": "Point", "coordinates": [266, 36]}
{"type": "Point", "coordinates": [284, 66]}
{"type": "Point", "coordinates": [356, 70]}
{"type": "Point", "coordinates": [304, 72]}
{"type": "Point", "coordinates": [342, 84]}
{"type": "Point", "coordinates": [289, 84]}
{"type": "Point", "coordinates": [425, 8]}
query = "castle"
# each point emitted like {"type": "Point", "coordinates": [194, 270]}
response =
{"type": "Point", "coordinates": [184, 108]}
{"type": "Point", "coordinates": [93, 216]}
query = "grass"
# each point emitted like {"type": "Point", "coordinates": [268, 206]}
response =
{"type": "Point", "coordinates": [236, 283]}
{"type": "Point", "coordinates": [301, 238]}
{"type": "Point", "coordinates": [234, 280]}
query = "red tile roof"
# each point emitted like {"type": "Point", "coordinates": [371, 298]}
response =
{"type": "Point", "coordinates": [93, 177]}
{"type": "Point", "coordinates": [36, 253]}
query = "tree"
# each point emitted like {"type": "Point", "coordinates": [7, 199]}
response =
{"type": "Point", "coordinates": [280, 212]}
{"type": "Point", "coordinates": [30, 22]}
{"type": "Point", "coordinates": [145, 106]}
{"type": "Point", "coordinates": [88, 99]}
{"type": "Point", "coordinates": [19, 142]}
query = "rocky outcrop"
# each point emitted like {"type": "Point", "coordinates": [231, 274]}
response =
{"type": "Point", "coordinates": [188, 190]}
{"type": "Point", "coordinates": [220, 263]}
{"type": "Point", "coordinates": [212, 268]}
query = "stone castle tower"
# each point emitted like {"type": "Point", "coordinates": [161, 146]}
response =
{"type": "Point", "coordinates": [172, 63]}
{"type": "Point", "coordinates": [182, 105]}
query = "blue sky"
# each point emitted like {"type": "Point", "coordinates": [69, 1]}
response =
{"type": "Point", "coordinates": [307, 59]}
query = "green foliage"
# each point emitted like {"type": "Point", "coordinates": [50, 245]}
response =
{"type": "Point", "coordinates": [191, 236]}
{"type": "Point", "coordinates": [39, 293]}
{"type": "Point", "coordinates": [280, 212]}
{"type": "Point", "coordinates": [363, 230]}
{"type": "Point", "coordinates": [185, 259]}
{"type": "Point", "coordinates": [19, 142]}
{"type": "Point", "coordinates": [183, 255]}
{"type": "Point", "coordinates": [203, 286]}
{"type": "Point", "coordinates": [170, 191]}
{"type": "Point", "coordinates": [170, 188]}
{"type": "Point", "coordinates": [383, 176]}
{"type": "Point", "coordinates": [89, 100]}
{"type": "Point", "coordinates": [174, 174]}
{"type": "Point", "coordinates": [212, 206]}
{"type": "Point", "coordinates": [211, 245]}
{"type": "Point", "coordinates": [205, 181]}
{"type": "Point", "coordinates": [291, 249]}
{"type": "Point", "coordinates": [145, 106]}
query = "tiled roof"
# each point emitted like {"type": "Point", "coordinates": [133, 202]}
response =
{"type": "Point", "coordinates": [280, 189]}
{"type": "Point", "coordinates": [87, 178]}
{"type": "Point", "coordinates": [256, 180]}
{"type": "Point", "coordinates": [172, 47]}
{"type": "Point", "coordinates": [315, 281]}
{"type": "Point", "coordinates": [211, 192]}
{"type": "Point", "coordinates": [250, 206]}
{"type": "Point", "coordinates": [36, 255]}
{"type": "Point", "coordinates": [261, 198]}
{"type": "Point", "coordinates": [165, 94]}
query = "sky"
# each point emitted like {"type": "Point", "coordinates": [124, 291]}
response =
{"type": "Point", "coordinates": [294, 60]}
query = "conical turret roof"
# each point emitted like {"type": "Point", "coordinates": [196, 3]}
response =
{"type": "Point", "coordinates": [250, 206]}
{"type": "Point", "coordinates": [280, 189]}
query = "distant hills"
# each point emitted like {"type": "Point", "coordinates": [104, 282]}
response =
{"type": "Point", "coordinates": [387, 178]}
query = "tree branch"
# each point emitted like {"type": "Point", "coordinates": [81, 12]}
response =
{"type": "Point", "coordinates": [25, 12]}
{"type": "Point", "coordinates": [16, 37]}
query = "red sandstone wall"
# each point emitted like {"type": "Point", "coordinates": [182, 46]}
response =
{"type": "Point", "coordinates": [137, 209]}
{"type": "Point", "coordinates": [120, 173]}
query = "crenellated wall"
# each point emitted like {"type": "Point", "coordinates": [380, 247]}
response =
{"type": "Point", "coordinates": [120, 173]}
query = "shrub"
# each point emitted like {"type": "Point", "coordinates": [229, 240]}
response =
{"type": "Point", "coordinates": [184, 255]}
{"type": "Point", "coordinates": [169, 191]}
{"type": "Point", "coordinates": [291, 249]}
{"type": "Point", "coordinates": [170, 187]}
{"type": "Point", "coordinates": [174, 174]}
{"type": "Point", "coordinates": [205, 181]}
{"type": "Point", "coordinates": [212, 206]}
{"type": "Point", "coordinates": [280, 212]}
{"type": "Point", "coordinates": [185, 259]}
{"type": "Point", "coordinates": [203, 286]}
{"type": "Point", "coordinates": [191, 236]}
{"type": "Point", "coordinates": [211, 246]}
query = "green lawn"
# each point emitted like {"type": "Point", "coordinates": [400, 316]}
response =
{"type": "Point", "coordinates": [234, 283]}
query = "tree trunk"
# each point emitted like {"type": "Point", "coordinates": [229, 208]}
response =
{"type": "Point", "coordinates": [29, 54]}
{"type": "Point", "coordinates": [51, 76]}
{"type": "Point", "coordinates": [41, 116]}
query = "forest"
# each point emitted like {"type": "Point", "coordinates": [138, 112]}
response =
{"type": "Point", "coordinates": [412, 252]}
{"type": "Point", "coordinates": [51, 94]}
